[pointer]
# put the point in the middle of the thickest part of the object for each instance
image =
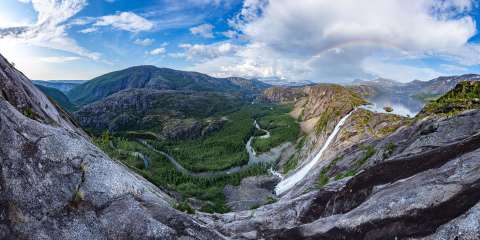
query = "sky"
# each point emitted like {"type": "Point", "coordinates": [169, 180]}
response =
{"type": "Point", "coordinates": [276, 40]}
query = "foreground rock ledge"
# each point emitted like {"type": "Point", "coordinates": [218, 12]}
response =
{"type": "Point", "coordinates": [55, 184]}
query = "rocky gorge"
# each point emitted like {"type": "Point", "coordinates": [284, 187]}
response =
{"type": "Point", "coordinates": [382, 177]}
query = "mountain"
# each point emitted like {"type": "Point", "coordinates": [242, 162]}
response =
{"type": "Point", "coordinates": [161, 79]}
{"type": "Point", "coordinates": [438, 86]}
{"type": "Point", "coordinates": [166, 113]}
{"type": "Point", "coordinates": [62, 85]}
{"type": "Point", "coordinates": [408, 98]}
{"type": "Point", "coordinates": [379, 82]}
{"type": "Point", "coordinates": [59, 97]}
{"type": "Point", "coordinates": [365, 175]}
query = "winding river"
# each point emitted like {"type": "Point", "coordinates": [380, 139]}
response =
{"type": "Point", "coordinates": [146, 160]}
{"type": "Point", "coordinates": [253, 157]}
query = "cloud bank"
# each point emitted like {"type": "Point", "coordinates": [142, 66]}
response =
{"type": "Point", "coordinates": [336, 42]}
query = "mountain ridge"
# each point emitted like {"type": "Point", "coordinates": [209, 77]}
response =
{"type": "Point", "coordinates": [148, 76]}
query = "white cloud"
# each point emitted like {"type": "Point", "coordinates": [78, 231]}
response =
{"type": "Point", "coordinates": [144, 42]}
{"type": "Point", "coordinates": [50, 29]}
{"type": "Point", "coordinates": [322, 40]}
{"type": "Point", "coordinates": [230, 34]}
{"type": "Point", "coordinates": [157, 51]}
{"type": "Point", "coordinates": [252, 60]}
{"type": "Point", "coordinates": [407, 25]}
{"type": "Point", "coordinates": [203, 52]}
{"type": "Point", "coordinates": [127, 21]}
{"type": "Point", "coordinates": [88, 30]}
{"type": "Point", "coordinates": [58, 59]}
{"type": "Point", "coordinates": [204, 30]}
{"type": "Point", "coordinates": [214, 3]}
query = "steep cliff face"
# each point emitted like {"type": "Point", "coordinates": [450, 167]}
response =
{"type": "Point", "coordinates": [55, 184]}
{"type": "Point", "coordinates": [18, 90]}
{"type": "Point", "coordinates": [283, 94]}
{"type": "Point", "coordinates": [319, 108]}
{"type": "Point", "coordinates": [325, 105]}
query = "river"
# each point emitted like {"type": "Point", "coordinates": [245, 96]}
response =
{"type": "Point", "coordinates": [253, 158]}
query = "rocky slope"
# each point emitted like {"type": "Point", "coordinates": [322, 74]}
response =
{"type": "Point", "coordinates": [151, 77]}
{"type": "Point", "coordinates": [421, 181]}
{"type": "Point", "coordinates": [283, 94]}
{"type": "Point", "coordinates": [17, 89]}
{"type": "Point", "coordinates": [55, 184]}
{"type": "Point", "coordinates": [166, 114]}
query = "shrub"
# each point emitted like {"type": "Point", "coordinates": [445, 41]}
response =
{"type": "Point", "coordinates": [184, 207]}
{"type": "Point", "coordinates": [388, 109]}
{"type": "Point", "coordinates": [389, 149]}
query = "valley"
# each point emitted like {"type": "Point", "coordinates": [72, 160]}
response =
{"type": "Point", "coordinates": [209, 148]}
{"type": "Point", "coordinates": [200, 168]}
{"type": "Point", "coordinates": [191, 142]}
{"type": "Point", "coordinates": [302, 162]}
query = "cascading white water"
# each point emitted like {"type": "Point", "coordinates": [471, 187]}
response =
{"type": "Point", "coordinates": [290, 181]}
{"type": "Point", "coordinates": [275, 173]}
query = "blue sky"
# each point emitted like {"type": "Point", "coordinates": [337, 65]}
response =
{"type": "Point", "coordinates": [283, 40]}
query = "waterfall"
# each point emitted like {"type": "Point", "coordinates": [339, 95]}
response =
{"type": "Point", "coordinates": [290, 181]}
{"type": "Point", "coordinates": [275, 173]}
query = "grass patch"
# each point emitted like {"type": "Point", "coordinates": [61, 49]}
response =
{"type": "Point", "coordinates": [323, 178]}
{"type": "Point", "coordinates": [389, 149]}
{"type": "Point", "coordinates": [368, 152]}
{"type": "Point", "coordinates": [271, 200]}
{"type": "Point", "coordinates": [291, 164]}
{"type": "Point", "coordinates": [28, 112]}
{"type": "Point", "coordinates": [184, 207]}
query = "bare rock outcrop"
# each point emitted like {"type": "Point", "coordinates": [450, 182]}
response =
{"type": "Point", "coordinates": [422, 181]}
{"type": "Point", "coordinates": [55, 184]}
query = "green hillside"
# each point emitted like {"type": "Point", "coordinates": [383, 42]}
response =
{"type": "Point", "coordinates": [466, 95]}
